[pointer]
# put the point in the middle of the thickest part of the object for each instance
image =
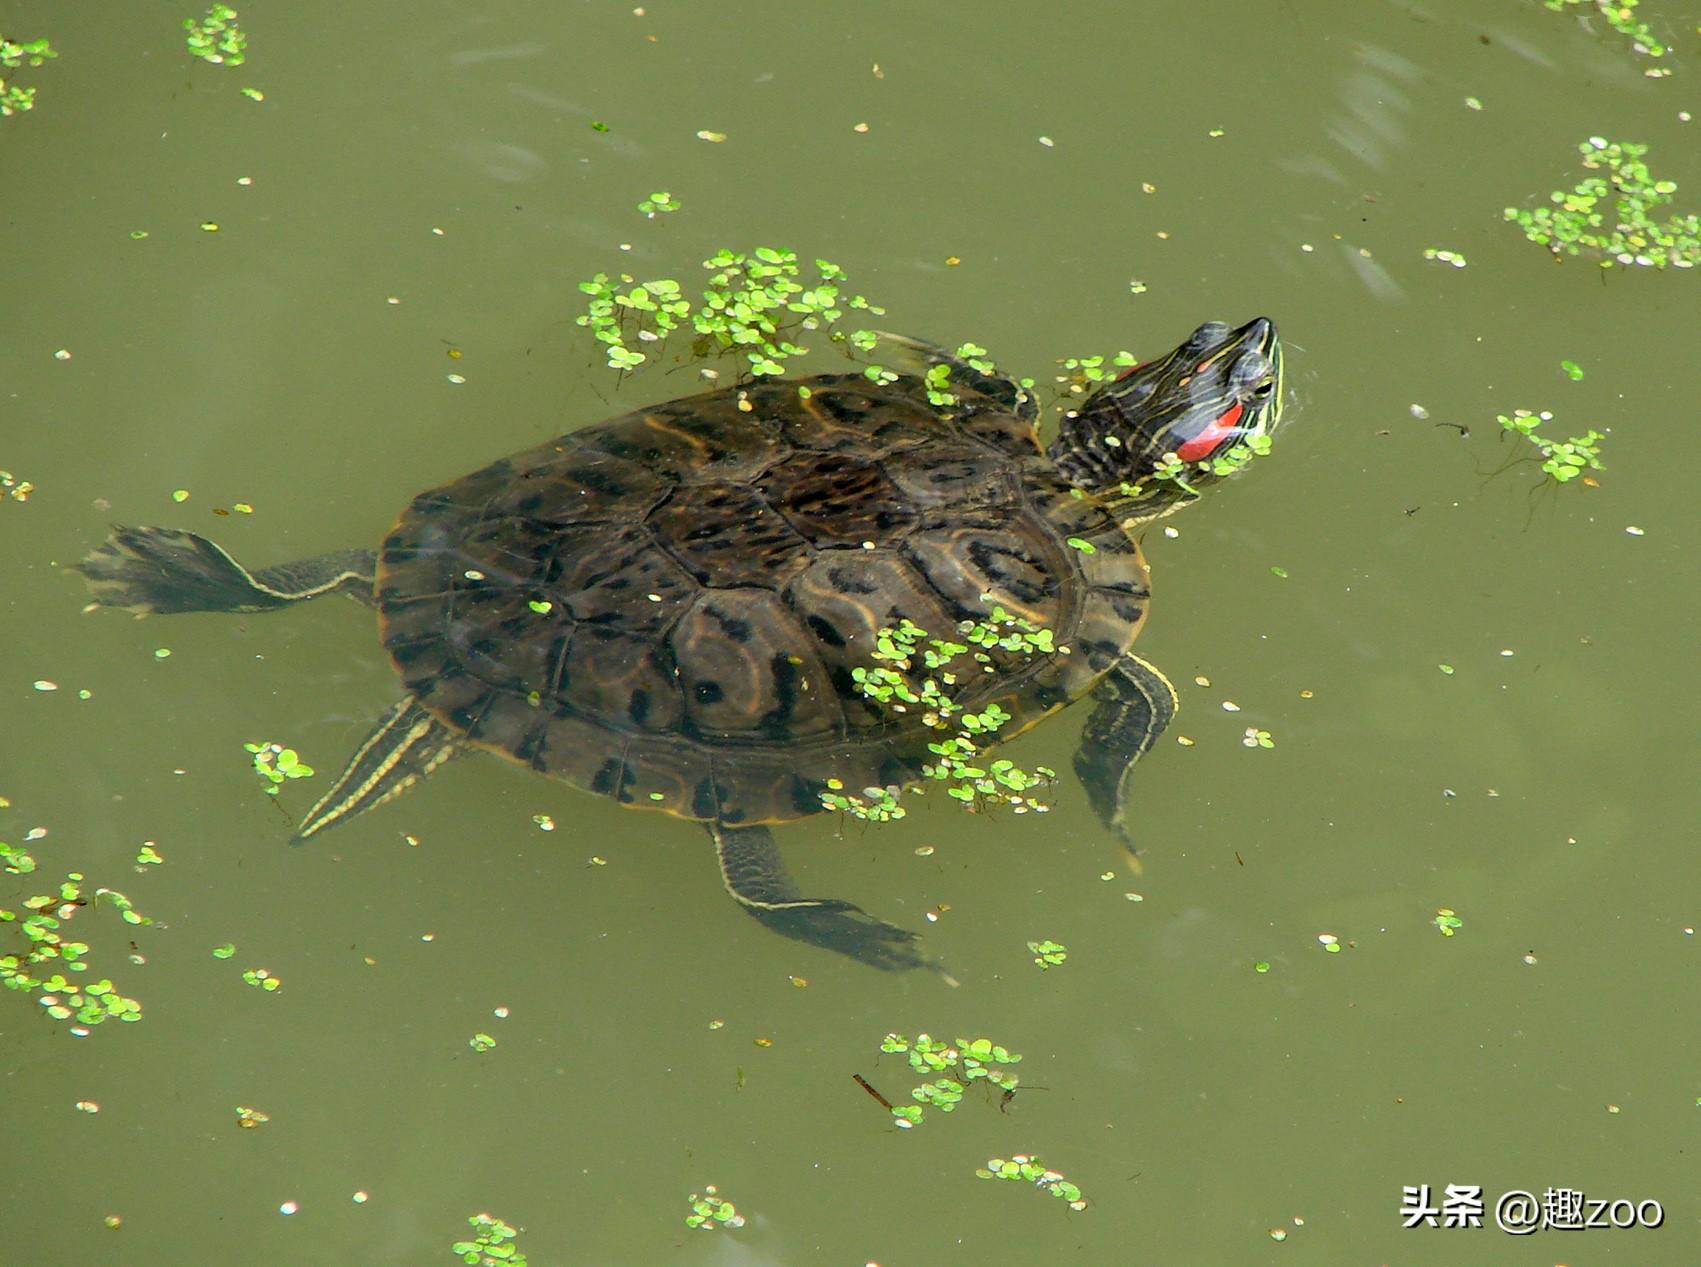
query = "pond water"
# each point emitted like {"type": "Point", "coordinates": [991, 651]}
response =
{"type": "Point", "coordinates": [417, 197]}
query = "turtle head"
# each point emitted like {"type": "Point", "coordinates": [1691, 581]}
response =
{"type": "Point", "coordinates": [1154, 438]}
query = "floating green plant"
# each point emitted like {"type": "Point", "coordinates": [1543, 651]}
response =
{"type": "Point", "coordinates": [216, 38]}
{"type": "Point", "coordinates": [1027, 1169]}
{"type": "Point", "coordinates": [1562, 460]}
{"type": "Point", "coordinates": [658, 204]}
{"type": "Point", "coordinates": [949, 1069]}
{"type": "Point", "coordinates": [1081, 374]}
{"type": "Point", "coordinates": [1048, 954]}
{"type": "Point", "coordinates": [709, 1211]}
{"type": "Point", "coordinates": [753, 304]}
{"type": "Point", "coordinates": [15, 487]}
{"type": "Point", "coordinates": [1620, 15]}
{"type": "Point", "coordinates": [250, 1118]}
{"type": "Point", "coordinates": [41, 965]}
{"type": "Point", "coordinates": [493, 1245]}
{"type": "Point", "coordinates": [275, 763]}
{"type": "Point", "coordinates": [917, 672]}
{"type": "Point", "coordinates": [1612, 215]}
{"type": "Point", "coordinates": [14, 98]}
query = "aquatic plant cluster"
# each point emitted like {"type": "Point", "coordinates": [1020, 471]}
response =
{"type": "Point", "coordinates": [1613, 214]}
{"type": "Point", "coordinates": [16, 98]}
{"type": "Point", "coordinates": [950, 1069]}
{"type": "Point", "coordinates": [216, 38]}
{"type": "Point", "coordinates": [895, 683]}
{"type": "Point", "coordinates": [1562, 460]}
{"type": "Point", "coordinates": [753, 304]}
{"type": "Point", "coordinates": [50, 953]}
{"type": "Point", "coordinates": [492, 1245]}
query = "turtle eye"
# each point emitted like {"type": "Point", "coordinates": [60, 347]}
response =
{"type": "Point", "coordinates": [1262, 390]}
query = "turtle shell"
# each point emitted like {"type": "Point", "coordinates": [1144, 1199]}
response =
{"type": "Point", "coordinates": [666, 607]}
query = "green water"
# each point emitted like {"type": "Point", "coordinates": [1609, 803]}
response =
{"type": "Point", "coordinates": [1544, 791]}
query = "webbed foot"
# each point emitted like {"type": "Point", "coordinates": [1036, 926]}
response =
{"type": "Point", "coordinates": [755, 875]}
{"type": "Point", "coordinates": [165, 570]}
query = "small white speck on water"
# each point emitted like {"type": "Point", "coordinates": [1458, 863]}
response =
{"type": "Point", "coordinates": [1229, 706]}
{"type": "Point", "coordinates": [457, 379]}
{"type": "Point", "coordinates": [288, 1207]}
{"type": "Point", "coordinates": [42, 684]}
{"type": "Point", "coordinates": [1633, 531]}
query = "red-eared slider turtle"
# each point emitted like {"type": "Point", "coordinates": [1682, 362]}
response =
{"type": "Point", "coordinates": [666, 608]}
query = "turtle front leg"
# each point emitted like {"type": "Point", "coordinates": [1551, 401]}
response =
{"type": "Point", "coordinates": [1136, 702]}
{"type": "Point", "coordinates": [755, 875]}
{"type": "Point", "coordinates": [166, 570]}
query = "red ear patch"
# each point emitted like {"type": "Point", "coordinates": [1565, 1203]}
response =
{"type": "Point", "coordinates": [1212, 437]}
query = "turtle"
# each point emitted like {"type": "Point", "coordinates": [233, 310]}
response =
{"type": "Point", "coordinates": [668, 608]}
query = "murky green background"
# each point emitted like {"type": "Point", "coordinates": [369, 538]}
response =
{"type": "Point", "coordinates": [1544, 791]}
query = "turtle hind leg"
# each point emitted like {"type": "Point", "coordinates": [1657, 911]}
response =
{"type": "Point", "coordinates": [1135, 703]}
{"type": "Point", "coordinates": [168, 570]}
{"type": "Point", "coordinates": [756, 877]}
{"type": "Point", "coordinates": [408, 744]}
